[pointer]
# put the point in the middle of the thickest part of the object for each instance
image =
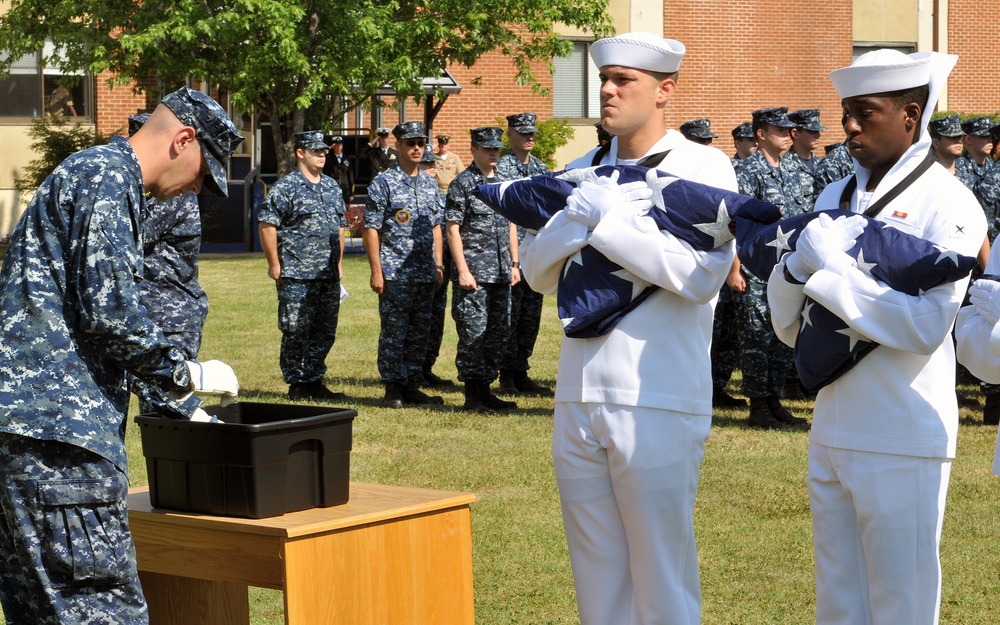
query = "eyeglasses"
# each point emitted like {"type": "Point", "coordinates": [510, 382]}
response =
{"type": "Point", "coordinates": [415, 143]}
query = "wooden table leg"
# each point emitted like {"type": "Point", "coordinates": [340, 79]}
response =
{"type": "Point", "coordinates": [184, 601]}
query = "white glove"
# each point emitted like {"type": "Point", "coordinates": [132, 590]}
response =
{"type": "Point", "coordinates": [985, 298]}
{"type": "Point", "coordinates": [824, 243]}
{"type": "Point", "coordinates": [201, 416]}
{"type": "Point", "coordinates": [590, 201]}
{"type": "Point", "coordinates": [214, 377]}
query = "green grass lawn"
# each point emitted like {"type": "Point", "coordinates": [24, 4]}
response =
{"type": "Point", "coordinates": [752, 515]}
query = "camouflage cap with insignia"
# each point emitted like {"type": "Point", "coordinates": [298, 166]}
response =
{"type": "Point", "coordinates": [947, 126]}
{"type": "Point", "coordinates": [977, 127]}
{"type": "Point", "coordinates": [743, 131]}
{"type": "Point", "coordinates": [776, 116]}
{"type": "Point", "coordinates": [214, 130]}
{"type": "Point", "coordinates": [429, 155]}
{"type": "Point", "coordinates": [807, 119]}
{"type": "Point", "coordinates": [135, 122]}
{"type": "Point", "coordinates": [523, 123]}
{"type": "Point", "coordinates": [487, 136]}
{"type": "Point", "coordinates": [409, 130]}
{"type": "Point", "coordinates": [310, 140]}
{"type": "Point", "coordinates": [698, 129]}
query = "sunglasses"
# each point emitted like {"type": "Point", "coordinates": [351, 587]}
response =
{"type": "Point", "coordinates": [415, 143]}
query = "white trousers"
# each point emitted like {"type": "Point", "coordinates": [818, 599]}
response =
{"type": "Point", "coordinates": [627, 483]}
{"type": "Point", "coordinates": [876, 534]}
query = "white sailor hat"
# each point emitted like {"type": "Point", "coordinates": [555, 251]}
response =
{"type": "Point", "coordinates": [639, 50]}
{"type": "Point", "coordinates": [882, 71]}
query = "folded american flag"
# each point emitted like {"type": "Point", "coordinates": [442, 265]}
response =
{"type": "Point", "coordinates": [594, 292]}
{"type": "Point", "coordinates": [826, 347]}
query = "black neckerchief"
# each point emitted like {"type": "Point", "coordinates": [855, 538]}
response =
{"type": "Point", "coordinates": [649, 161]}
{"type": "Point", "coordinates": [876, 208]}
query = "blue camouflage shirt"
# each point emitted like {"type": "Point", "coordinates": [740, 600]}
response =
{"type": "Point", "coordinates": [512, 169]}
{"type": "Point", "coordinates": [803, 173]}
{"type": "Point", "coordinates": [405, 210]}
{"type": "Point", "coordinates": [171, 240]}
{"type": "Point", "coordinates": [485, 233]}
{"type": "Point", "coordinates": [308, 218]}
{"type": "Point", "coordinates": [777, 185]}
{"type": "Point", "coordinates": [968, 172]}
{"type": "Point", "coordinates": [72, 325]}
{"type": "Point", "coordinates": [837, 164]}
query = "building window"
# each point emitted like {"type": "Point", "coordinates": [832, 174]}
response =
{"type": "Point", "coordinates": [576, 86]}
{"type": "Point", "coordinates": [868, 46]}
{"type": "Point", "coordinates": [33, 89]}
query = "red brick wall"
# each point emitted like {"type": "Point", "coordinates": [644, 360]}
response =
{"type": "Point", "coordinates": [743, 56]}
{"type": "Point", "coordinates": [115, 105]}
{"type": "Point", "coordinates": [974, 86]}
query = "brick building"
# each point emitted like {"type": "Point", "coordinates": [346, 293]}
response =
{"type": "Point", "coordinates": [741, 56]}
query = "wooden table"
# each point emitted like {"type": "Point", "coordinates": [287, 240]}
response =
{"type": "Point", "coordinates": [390, 556]}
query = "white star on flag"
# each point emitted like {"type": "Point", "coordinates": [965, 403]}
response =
{"type": "Point", "coordinates": [854, 336]}
{"type": "Point", "coordinates": [719, 229]}
{"type": "Point", "coordinates": [577, 258]}
{"type": "Point", "coordinates": [638, 284]}
{"type": "Point", "coordinates": [862, 265]}
{"type": "Point", "coordinates": [657, 184]}
{"type": "Point", "coordinates": [806, 311]}
{"type": "Point", "coordinates": [576, 176]}
{"type": "Point", "coordinates": [951, 255]}
{"type": "Point", "coordinates": [780, 241]}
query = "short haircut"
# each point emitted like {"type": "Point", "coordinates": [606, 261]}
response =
{"type": "Point", "coordinates": [918, 95]}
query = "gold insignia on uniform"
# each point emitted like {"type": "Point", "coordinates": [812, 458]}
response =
{"type": "Point", "coordinates": [403, 217]}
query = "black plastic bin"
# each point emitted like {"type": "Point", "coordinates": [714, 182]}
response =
{"type": "Point", "coordinates": [263, 461]}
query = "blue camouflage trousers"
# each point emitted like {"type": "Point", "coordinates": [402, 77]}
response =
{"type": "Point", "coordinates": [765, 361]}
{"type": "Point", "coordinates": [482, 318]}
{"type": "Point", "coordinates": [438, 308]}
{"type": "Point", "coordinates": [725, 338]}
{"type": "Point", "coordinates": [66, 552]}
{"type": "Point", "coordinates": [525, 320]}
{"type": "Point", "coordinates": [307, 317]}
{"type": "Point", "coordinates": [404, 309]}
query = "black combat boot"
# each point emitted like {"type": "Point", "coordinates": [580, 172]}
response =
{"type": "Point", "coordinates": [393, 395]}
{"type": "Point", "coordinates": [491, 401]}
{"type": "Point", "coordinates": [527, 386]}
{"type": "Point", "coordinates": [780, 413]}
{"type": "Point", "coordinates": [473, 399]}
{"type": "Point", "coordinates": [434, 380]}
{"type": "Point", "coordinates": [507, 385]}
{"type": "Point", "coordinates": [413, 395]}
{"type": "Point", "coordinates": [760, 415]}
{"type": "Point", "coordinates": [991, 411]}
{"type": "Point", "coordinates": [722, 399]}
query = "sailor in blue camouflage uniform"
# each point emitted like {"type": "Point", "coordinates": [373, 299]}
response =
{"type": "Point", "coordinates": [744, 142]}
{"type": "Point", "coordinates": [837, 164]}
{"type": "Point", "coordinates": [302, 235]}
{"type": "Point", "coordinates": [73, 329]}
{"type": "Point", "coordinates": [170, 291]}
{"type": "Point", "coordinates": [988, 193]}
{"type": "Point", "coordinates": [402, 237]}
{"type": "Point", "coordinates": [429, 163]}
{"type": "Point", "coordinates": [971, 166]}
{"type": "Point", "coordinates": [484, 250]}
{"type": "Point", "coordinates": [766, 361]}
{"type": "Point", "coordinates": [525, 303]}
{"type": "Point", "coordinates": [801, 161]}
{"type": "Point", "coordinates": [699, 131]}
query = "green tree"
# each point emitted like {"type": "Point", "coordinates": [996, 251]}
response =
{"type": "Point", "coordinates": [53, 139]}
{"type": "Point", "coordinates": [284, 58]}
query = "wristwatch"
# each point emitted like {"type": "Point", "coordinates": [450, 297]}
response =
{"type": "Point", "coordinates": [516, 264]}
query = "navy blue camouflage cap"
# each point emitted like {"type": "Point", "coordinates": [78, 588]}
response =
{"type": "Point", "coordinates": [698, 129]}
{"type": "Point", "coordinates": [776, 116]}
{"type": "Point", "coordinates": [743, 131]}
{"type": "Point", "coordinates": [947, 126]}
{"type": "Point", "coordinates": [409, 130]}
{"type": "Point", "coordinates": [977, 127]}
{"type": "Point", "coordinates": [487, 136]}
{"type": "Point", "coordinates": [214, 130]}
{"type": "Point", "coordinates": [523, 123]}
{"type": "Point", "coordinates": [310, 140]}
{"type": "Point", "coordinates": [429, 155]}
{"type": "Point", "coordinates": [806, 119]}
{"type": "Point", "coordinates": [135, 122]}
